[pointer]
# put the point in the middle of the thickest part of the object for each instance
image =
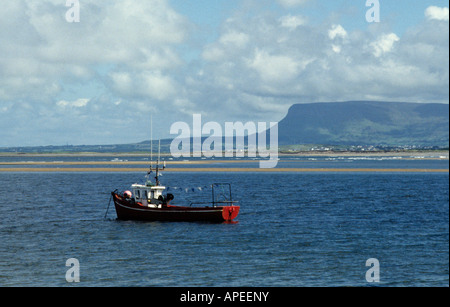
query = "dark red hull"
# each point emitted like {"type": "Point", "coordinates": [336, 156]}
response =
{"type": "Point", "coordinates": [128, 210]}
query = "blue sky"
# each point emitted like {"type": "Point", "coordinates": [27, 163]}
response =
{"type": "Point", "coordinates": [98, 81]}
{"type": "Point", "coordinates": [400, 14]}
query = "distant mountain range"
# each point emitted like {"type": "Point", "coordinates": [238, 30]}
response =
{"type": "Point", "coordinates": [349, 123]}
{"type": "Point", "coordinates": [366, 123]}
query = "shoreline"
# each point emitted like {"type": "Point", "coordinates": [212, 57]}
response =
{"type": "Point", "coordinates": [419, 153]}
{"type": "Point", "coordinates": [56, 164]}
{"type": "Point", "coordinates": [221, 170]}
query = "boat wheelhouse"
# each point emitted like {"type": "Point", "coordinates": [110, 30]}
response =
{"type": "Point", "coordinates": [148, 195]}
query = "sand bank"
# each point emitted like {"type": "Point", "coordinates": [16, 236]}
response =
{"type": "Point", "coordinates": [221, 170]}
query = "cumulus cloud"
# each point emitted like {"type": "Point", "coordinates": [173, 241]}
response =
{"type": "Point", "coordinates": [292, 22]}
{"type": "Point", "coordinates": [287, 60]}
{"type": "Point", "coordinates": [122, 49]}
{"type": "Point", "coordinates": [384, 44]}
{"type": "Point", "coordinates": [337, 31]}
{"type": "Point", "coordinates": [144, 84]}
{"type": "Point", "coordinates": [235, 38]}
{"type": "Point", "coordinates": [292, 3]}
{"type": "Point", "coordinates": [437, 13]}
{"type": "Point", "coordinates": [128, 33]}
{"type": "Point", "coordinates": [274, 68]}
{"type": "Point", "coordinates": [79, 103]}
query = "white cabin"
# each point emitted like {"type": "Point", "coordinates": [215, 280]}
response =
{"type": "Point", "coordinates": [148, 194]}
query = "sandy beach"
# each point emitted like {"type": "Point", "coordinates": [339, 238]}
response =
{"type": "Point", "coordinates": [207, 165]}
{"type": "Point", "coordinates": [222, 170]}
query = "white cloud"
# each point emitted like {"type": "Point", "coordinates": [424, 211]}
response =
{"type": "Point", "coordinates": [437, 13]}
{"type": "Point", "coordinates": [339, 36]}
{"type": "Point", "coordinates": [43, 48]}
{"type": "Point", "coordinates": [235, 38]}
{"type": "Point", "coordinates": [291, 3]}
{"type": "Point", "coordinates": [122, 82]}
{"type": "Point", "coordinates": [292, 22]}
{"type": "Point", "coordinates": [336, 48]}
{"type": "Point", "coordinates": [319, 63]}
{"type": "Point", "coordinates": [145, 84]}
{"type": "Point", "coordinates": [274, 68]}
{"type": "Point", "coordinates": [157, 86]}
{"type": "Point", "coordinates": [337, 31]}
{"type": "Point", "coordinates": [122, 50]}
{"type": "Point", "coordinates": [79, 103]}
{"type": "Point", "coordinates": [213, 53]}
{"type": "Point", "coordinates": [228, 43]}
{"type": "Point", "coordinates": [384, 44]}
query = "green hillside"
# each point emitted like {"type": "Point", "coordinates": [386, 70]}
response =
{"type": "Point", "coordinates": [366, 123]}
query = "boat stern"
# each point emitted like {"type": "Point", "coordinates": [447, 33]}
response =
{"type": "Point", "coordinates": [229, 213]}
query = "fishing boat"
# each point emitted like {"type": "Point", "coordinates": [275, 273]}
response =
{"type": "Point", "coordinates": [147, 202]}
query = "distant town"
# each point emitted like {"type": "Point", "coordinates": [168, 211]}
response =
{"type": "Point", "coordinates": [358, 148]}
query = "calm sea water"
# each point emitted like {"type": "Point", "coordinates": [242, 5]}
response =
{"type": "Point", "coordinates": [294, 229]}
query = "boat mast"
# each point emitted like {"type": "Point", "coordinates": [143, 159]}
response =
{"type": "Point", "coordinates": [151, 154]}
{"type": "Point", "coordinates": [151, 142]}
{"type": "Point", "coordinates": [157, 163]}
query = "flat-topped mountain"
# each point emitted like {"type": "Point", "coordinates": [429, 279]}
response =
{"type": "Point", "coordinates": [329, 123]}
{"type": "Point", "coordinates": [366, 123]}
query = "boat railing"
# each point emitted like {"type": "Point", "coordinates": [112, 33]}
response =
{"type": "Point", "coordinates": [214, 203]}
{"type": "Point", "coordinates": [224, 187]}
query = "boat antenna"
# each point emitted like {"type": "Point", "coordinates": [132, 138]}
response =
{"type": "Point", "coordinates": [157, 164]}
{"type": "Point", "coordinates": [151, 143]}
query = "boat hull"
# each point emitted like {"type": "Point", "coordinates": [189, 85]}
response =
{"type": "Point", "coordinates": [129, 210]}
